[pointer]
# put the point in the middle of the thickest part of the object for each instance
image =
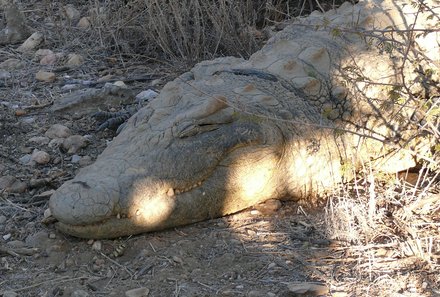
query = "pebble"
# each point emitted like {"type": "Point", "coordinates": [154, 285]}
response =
{"type": "Point", "coordinates": [58, 131]}
{"type": "Point", "coordinates": [85, 161]}
{"type": "Point", "coordinates": [40, 157]}
{"type": "Point", "coordinates": [42, 52]}
{"type": "Point", "coordinates": [47, 213]}
{"type": "Point", "coordinates": [269, 206]}
{"type": "Point", "coordinates": [74, 143]}
{"type": "Point", "coordinates": [12, 184]}
{"type": "Point", "coordinates": [79, 293]}
{"type": "Point", "coordinates": [139, 292]}
{"type": "Point", "coordinates": [16, 243]}
{"type": "Point", "coordinates": [75, 159]}
{"type": "Point", "coordinates": [97, 246]}
{"type": "Point", "coordinates": [71, 12]}
{"type": "Point", "coordinates": [52, 236]}
{"type": "Point", "coordinates": [7, 236]}
{"type": "Point", "coordinates": [50, 59]}
{"type": "Point", "coordinates": [3, 219]}
{"type": "Point", "coordinates": [272, 265]}
{"type": "Point", "coordinates": [45, 76]}
{"type": "Point", "coordinates": [84, 23]}
{"type": "Point", "coordinates": [31, 43]}
{"type": "Point", "coordinates": [56, 142]}
{"type": "Point", "coordinates": [70, 87]}
{"type": "Point", "coordinates": [26, 159]}
{"type": "Point", "coordinates": [11, 64]}
{"type": "Point", "coordinates": [74, 60]}
{"type": "Point", "coordinates": [39, 140]}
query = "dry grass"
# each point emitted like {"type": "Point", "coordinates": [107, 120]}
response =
{"type": "Point", "coordinates": [191, 30]}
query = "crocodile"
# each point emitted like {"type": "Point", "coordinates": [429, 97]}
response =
{"type": "Point", "coordinates": [297, 118]}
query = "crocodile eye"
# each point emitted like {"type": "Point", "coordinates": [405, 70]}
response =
{"type": "Point", "coordinates": [193, 130]}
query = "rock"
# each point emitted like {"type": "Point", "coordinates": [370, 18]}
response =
{"type": "Point", "coordinates": [75, 159]}
{"type": "Point", "coordinates": [84, 23]}
{"type": "Point", "coordinates": [38, 240]}
{"type": "Point", "coordinates": [56, 142]}
{"type": "Point", "coordinates": [97, 246]}
{"type": "Point", "coordinates": [41, 140]}
{"type": "Point", "coordinates": [74, 143]}
{"type": "Point", "coordinates": [4, 74]}
{"type": "Point", "coordinates": [45, 76]}
{"type": "Point", "coordinates": [12, 184]}
{"type": "Point", "coordinates": [79, 293]}
{"type": "Point", "coordinates": [3, 219]}
{"type": "Point", "coordinates": [16, 244]}
{"type": "Point", "coordinates": [26, 159]}
{"type": "Point", "coordinates": [31, 43]}
{"type": "Point", "coordinates": [42, 52]}
{"type": "Point", "coordinates": [71, 12]}
{"type": "Point", "coordinates": [47, 213]}
{"type": "Point", "coordinates": [146, 95]}
{"type": "Point", "coordinates": [7, 236]}
{"type": "Point", "coordinates": [50, 59]}
{"type": "Point", "coordinates": [58, 131]}
{"type": "Point", "coordinates": [120, 84]}
{"type": "Point", "coordinates": [40, 157]}
{"type": "Point", "coordinates": [139, 292]}
{"type": "Point", "coordinates": [70, 87]}
{"type": "Point", "coordinates": [11, 64]}
{"type": "Point", "coordinates": [74, 60]}
{"type": "Point", "coordinates": [255, 293]}
{"type": "Point", "coordinates": [52, 236]}
{"type": "Point", "coordinates": [269, 206]}
{"type": "Point", "coordinates": [308, 289]}
{"type": "Point", "coordinates": [85, 161]}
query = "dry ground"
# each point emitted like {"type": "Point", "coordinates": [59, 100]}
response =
{"type": "Point", "coordinates": [353, 246]}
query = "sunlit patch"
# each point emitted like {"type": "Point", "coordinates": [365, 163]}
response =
{"type": "Point", "coordinates": [149, 206]}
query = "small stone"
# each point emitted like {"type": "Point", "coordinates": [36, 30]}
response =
{"type": "Point", "coordinates": [74, 143]}
{"type": "Point", "coordinates": [7, 236]}
{"type": "Point", "coordinates": [97, 246]}
{"type": "Point", "coordinates": [50, 59]}
{"type": "Point", "coordinates": [40, 157]}
{"type": "Point", "coordinates": [84, 23]}
{"type": "Point", "coordinates": [75, 159]}
{"type": "Point", "coordinates": [70, 87]}
{"type": "Point", "coordinates": [12, 185]}
{"type": "Point", "coordinates": [90, 241]}
{"type": "Point", "coordinates": [272, 265]}
{"type": "Point", "coordinates": [79, 293]}
{"type": "Point", "coordinates": [120, 84]}
{"type": "Point", "coordinates": [269, 206]}
{"type": "Point", "coordinates": [42, 52]}
{"type": "Point", "coordinates": [139, 292]}
{"type": "Point", "coordinates": [308, 289]}
{"type": "Point", "coordinates": [255, 293]}
{"type": "Point", "coordinates": [74, 60]}
{"type": "Point", "coordinates": [31, 43]}
{"type": "Point", "coordinates": [177, 260]}
{"type": "Point", "coordinates": [55, 143]}
{"type": "Point", "coordinates": [16, 244]}
{"type": "Point", "coordinates": [85, 161]}
{"type": "Point", "coordinates": [58, 131]}
{"type": "Point", "coordinates": [2, 219]}
{"type": "Point", "coordinates": [47, 213]}
{"type": "Point", "coordinates": [52, 236]}
{"type": "Point", "coordinates": [424, 285]}
{"type": "Point", "coordinates": [146, 95]}
{"type": "Point", "coordinates": [26, 159]}
{"type": "Point", "coordinates": [11, 64]}
{"type": "Point", "coordinates": [45, 76]}
{"type": "Point", "coordinates": [41, 140]}
{"type": "Point", "coordinates": [71, 12]}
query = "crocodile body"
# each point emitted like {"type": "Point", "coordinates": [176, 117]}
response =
{"type": "Point", "coordinates": [231, 133]}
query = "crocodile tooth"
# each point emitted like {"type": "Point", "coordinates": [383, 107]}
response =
{"type": "Point", "coordinates": [170, 192]}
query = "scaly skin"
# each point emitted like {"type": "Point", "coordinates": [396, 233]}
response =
{"type": "Point", "coordinates": [232, 133]}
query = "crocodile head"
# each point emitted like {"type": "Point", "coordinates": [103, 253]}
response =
{"type": "Point", "coordinates": [202, 149]}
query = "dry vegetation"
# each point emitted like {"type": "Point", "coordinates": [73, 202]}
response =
{"type": "Point", "coordinates": [385, 226]}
